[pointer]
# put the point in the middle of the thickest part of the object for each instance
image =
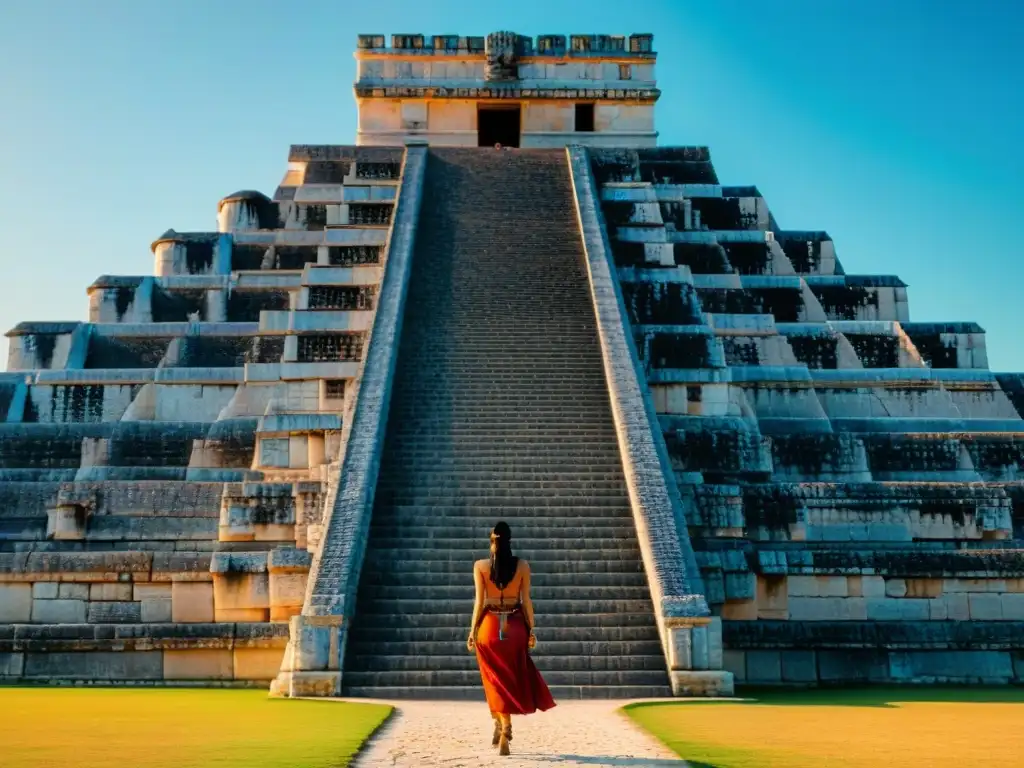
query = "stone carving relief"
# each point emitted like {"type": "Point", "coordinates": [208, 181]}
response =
{"type": "Point", "coordinates": [502, 56]}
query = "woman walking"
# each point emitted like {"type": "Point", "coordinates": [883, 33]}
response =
{"type": "Point", "coordinates": [501, 634]}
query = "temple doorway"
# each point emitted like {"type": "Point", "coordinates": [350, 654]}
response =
{"type": "Point", "coordinates": [498, 124]}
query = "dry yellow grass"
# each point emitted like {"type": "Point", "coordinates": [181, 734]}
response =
{"type": "Point", "coordinates": [161, 728]}
{"type": "Point", "coordinates": [850, 729]}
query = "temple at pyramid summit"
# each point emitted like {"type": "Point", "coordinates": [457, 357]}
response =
{"type": "Point", "coordinates": [273, 460]}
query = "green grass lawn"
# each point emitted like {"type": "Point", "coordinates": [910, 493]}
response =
{"type": "Point", "coordinates": [183, 728]}
{"type": "Point", "coordinates": [865, 728]}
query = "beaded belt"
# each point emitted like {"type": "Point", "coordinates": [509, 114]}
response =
{"type": "Point", "coordinates": [502, 610]}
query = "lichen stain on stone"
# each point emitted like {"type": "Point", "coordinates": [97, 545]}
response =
{"type": "Point", "coordinates": [126, 352]}
{"type": "Point", "coordinates": [42, 345]}
{"type": "Point", "coordinates": [805, 255]}
{"type": "Point", "coordinates": [123, 298]}
{"type": "Point", "coordinates": [815, 351]}
{"type": "Point", "coordinates": [353, 255]}
{"type": "Point", "coordinates": [177, 306]}
{"type": "Point", "coordinates": [809, 454]}
{"type": "Point", "coordinates": [346, 297]}
{"type": "Point", "coordinates": [658, 303]}
{"type": "Point", "coordinates": [245, 306]}
{"type": "Point", "coordinates": [842, 302]}
{"type": "Point", "coordinates": [199, 256]}
{"type": "Point", "coordinates": [341, 347]}
{"type": "Point", "coordinates": [676, 350]}
{"type": "Point", "coordinates": [875, 350]}
{"type": "Point", "coordinates": [376, 214]}
{"type": "Point", "coordinates": [748, 258]}
{"type": "Point", "coordinates": [741, 350]}
{"type": "Point", "coordinates": [266, 213]}
{"type": "Point", "coordinates": [77, 403]}
{"type": "Point", "coordinates": [701, 258]}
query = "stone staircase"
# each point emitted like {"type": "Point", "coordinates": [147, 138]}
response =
{"type": "Point", "coordinates": [500, 411]}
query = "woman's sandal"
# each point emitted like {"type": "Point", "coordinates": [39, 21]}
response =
{"type": "Point", "coordinates": [506, 737]}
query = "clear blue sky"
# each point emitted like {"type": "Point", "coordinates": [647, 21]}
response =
{"type": "Point", "coordinates": [898, 126]}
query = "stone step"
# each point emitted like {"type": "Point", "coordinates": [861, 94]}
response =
{"type": "Point", "coordinates": [416, 463]}
{"type": "Point", "coordinates": [459, 577]}
{"type": "Point", "coordinates": [478, 482]}
{"type": "Point", "coordinates": [540, 498]}
{"type": "Point", "coordinates": [454, 677]}
{"type": "Point", "coordinates": [549, 649]}
{"type": "Point", "coordinates": [508, 430]}
{"type": "Point", "coordinates": [538, 592]}
{"type": "Point", "coordinates": [410, 573]}
{"type": "Point", "coordinates": [546, 454]}
{"type": "Point", "coordinates": [465, 662]}
{"type": "Point", "coordinates": [458, 633]}
{"type": "Point", "coordinates": [464, 545]}
{"type": "Point", "coordinates": [475, 692]}
{"type": "Point", "coordinates": [506, 425]}
{"type": "Point", "coordinates": [384, 527]}
{"type": "Point", "coordinates": [484, 517]}
{"type": "Point", "coordinates": [553, 612]}
{"type": "Point", "coordinates": [551, 622]}
{"type": "Point", "coordinates": [591, 556]}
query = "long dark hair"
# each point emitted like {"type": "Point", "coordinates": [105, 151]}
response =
{"type": "Point", "coordinates": [503, 562]}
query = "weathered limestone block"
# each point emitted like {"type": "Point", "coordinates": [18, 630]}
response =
{"type": "Point", "coordinates": [15, 603]}
{"type": "Point", "coordinates": [115, 612]}
{"type": "Point", "coordinates": [214, 664]}
{"type": "Point", "coordinates": [49, 590]}
{"type": "Point", "coordinates": [102, 665]}
{"type": "Point", "coordinates": [764, 667]}
{"type": "Point", "coordinates": [735, 663]}
{"type": "Point", "coordinates": [772, 597]}
{"type": "Point", "coordinates": [241, 586]}
{"type": "Point", "coordinates": [289, 569]}
{"type": "Point", "coordinates": [257, 512]}
{"type": "Point", "coordinates": [827, 608]}
{"type": "Point", "coordinates": [257, 663]}
{"type": "Point", "coordinates": [924, 587]}
{"type": "Point", "coordinates": [156, 611]}
{"type": "Point", "coordinates": [181, 567]}
{"type": "Point", "coordinates": [983, 667]}
{"type": "Point", "coordinates": [897, 609]}
{"type": "Point", "coordinates": [191, 602]}
{"type": "Point", "coordinates": [59, 611]}
{"type": "Point", "coordinates": [853, 666]}
{"type": "Point", "coordinates": [740, 610]}
{"type": "Point", "coordinates": [311, 665]}
{"type": "Point", "coordinates": [895, 587]}
{"type": "Point", "coordinates": [155, 600]}
{"type": "Point", "coordinates": [985, 606]}
{"type": "Point", "coordinates": [799, 667]}
{"type": "Point", "coordinates": [118, 592]}
{"type": "Point", "coordinates": [12, 665]}
{"type": "Point", "coordinates": [865, 586]}
{"type": "Point", "coordinates": [151, 591]}
{"type": "Point", "coordinates": [77, 566]}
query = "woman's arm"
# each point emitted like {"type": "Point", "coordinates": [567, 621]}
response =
{"type": "Point", "coordinates": [478, 601]}
{"type": "Point", "coordinates": [524, 594]}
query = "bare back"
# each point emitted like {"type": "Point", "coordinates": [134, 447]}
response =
{"type": "Point", "coordinates": [512, 592]}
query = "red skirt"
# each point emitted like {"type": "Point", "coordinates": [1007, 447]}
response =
{"type": "Point", "coordinates": [512, 683]}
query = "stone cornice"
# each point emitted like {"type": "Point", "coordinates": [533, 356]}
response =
{"type": "Point", "coordinates": [648, 95]}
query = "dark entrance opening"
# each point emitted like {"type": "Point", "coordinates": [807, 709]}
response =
{"type": "Point", "coordinates": [498, 125]}
{"type": "Point", "coordinates": [585, 117]}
